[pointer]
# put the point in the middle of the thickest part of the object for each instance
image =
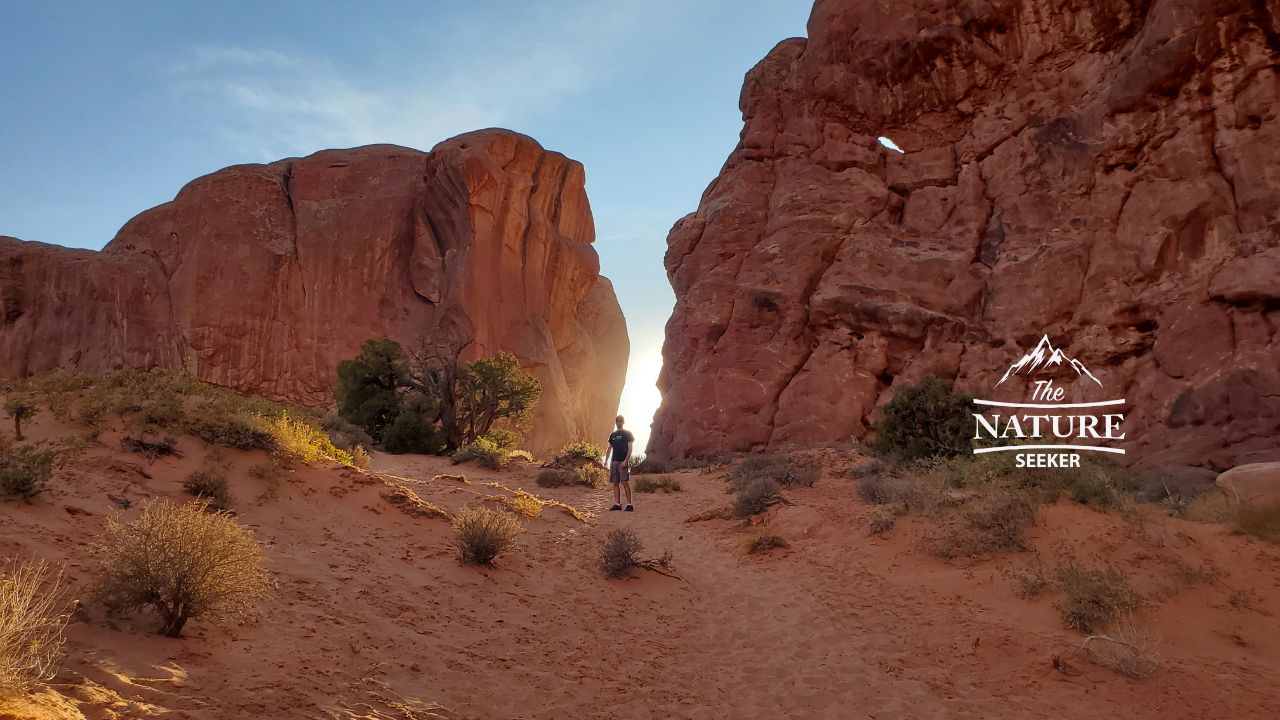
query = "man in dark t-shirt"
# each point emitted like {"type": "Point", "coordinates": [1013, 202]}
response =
{"type": "Point", "coordinates": [620, 443]}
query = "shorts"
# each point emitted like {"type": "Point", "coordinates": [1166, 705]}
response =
{"type": "Point", "coordinates": [619, 472]}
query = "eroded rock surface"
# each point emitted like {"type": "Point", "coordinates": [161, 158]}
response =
{"type": "Point", "coordinates": [263, 277]}
{"type": "Point", "coordinates": [1105, 172]}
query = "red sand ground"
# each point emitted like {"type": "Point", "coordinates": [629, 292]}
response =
{"type": "Point", "coordinates": [372, 616]}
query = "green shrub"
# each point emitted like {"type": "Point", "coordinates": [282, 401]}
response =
{"type": "Point", "coordinates": [25, 470]}
{"type": "Point", "coordinates": [210, 485]}
{"type": "Point", "coordinates": [32, 618]}
{"type": "Point", "coordinates": [580, 451]}
{"type": "Point", "coordinates": [238, 432]}
{"type": "Point", "coordinates": [783, 470]}
{"type": "Point", "coordinates": [755, 496]}
{"type": "Point", "coordinates": [482, 450]}
{"type": "Point", "coordinates": [502, 438]}
{"type": "Point", "coordinates": [592, 476]}
{"type": "Point", "coordinates": [412, 432]}
{"type": "Point", "coordinates": [925, 419]}
{"type": "Point", "coordinates": [484, 533]}
{"type": "Point", "coordinates": [1093, 599]}
{"type": "Point", "coordinates": [369, 386]}
{"type": "Point", "coordinates": [654, 483]}
{"type": "Point", "coordinates": [297, 439]}
{"type": "Point", "coordinates": [181, 561]}
{"type": "Point", "coordinates": [619, 556]}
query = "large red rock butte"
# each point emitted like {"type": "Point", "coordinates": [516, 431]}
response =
{"type": "Point", "coordinates": [263, 277]}
{"type": "Point", "coordinates": [1106, 172]}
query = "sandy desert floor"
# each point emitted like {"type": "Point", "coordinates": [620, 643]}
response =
{"type": "Point", "coordinates": [372, 615]}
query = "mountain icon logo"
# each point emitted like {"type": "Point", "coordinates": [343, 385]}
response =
{"type": "Point", "coordinates": [1046, 356]}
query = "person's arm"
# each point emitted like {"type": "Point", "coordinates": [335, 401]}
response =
{"type": "Point", "coordinates": [630, 444]}
{"type": "Point", "coordinates": [608, 454]}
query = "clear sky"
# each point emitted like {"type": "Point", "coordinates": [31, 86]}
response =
{"type": "Point", "coordinates": [109, 108]}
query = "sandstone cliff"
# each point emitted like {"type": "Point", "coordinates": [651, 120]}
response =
{"type": "Point", "coordinates": [264, 277]}
{"type": "Point", "coordinates": [1106, 172]}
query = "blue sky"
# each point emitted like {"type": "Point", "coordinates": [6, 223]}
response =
{"type": "Point", "coordinates": [111, 107]}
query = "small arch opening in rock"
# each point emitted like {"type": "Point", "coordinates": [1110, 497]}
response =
{"type": "Point", "coordinates": [889, 144]}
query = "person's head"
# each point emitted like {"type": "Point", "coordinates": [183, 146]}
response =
{"type": "Point", "coordinates": [619, 421]}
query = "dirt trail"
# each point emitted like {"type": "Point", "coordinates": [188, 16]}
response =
{"type": "Point", "coordinates": [373, 617]}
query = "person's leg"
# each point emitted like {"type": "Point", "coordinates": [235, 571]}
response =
{"type": "Point", "coordinates": [614, 482]}
{"type": "Point", "coordinates": [626, 485]}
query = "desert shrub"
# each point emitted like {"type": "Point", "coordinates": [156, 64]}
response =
{"type": "Point", "coordinates": [619, 556]}
{"type": "Point", "coordinates": [1028, 582]}
{"type": "Point", "coordinates": [210, 485]}
{"type": "Point", "coordinates": [648, 464]}
{"type": "Point", "coordinates": [765, 543]}
{"type": "Point", "coordinates": [360, 457]}
{"type": "Point", "coordinates": [1261, 522]}
{"type": "Point", "coordinates": [527, 504]}
{"type": "Point", "coordinates": [1092, 599]}
{"type": "Point", "coordinates": [783, 470]}
{"type": "Point", "coordinates": [343, 434]}
{"type": "Point", "coordinates": [524, 455]}
{"type": "Point", "coordinates": [1127, 648]}
{"type": "Point", "coordinates": [482, 450]}
{"type": "Point", "coordinates": [903, 492]}
{"type": "Point", "coordinates": [654, 483]}
{"type": "Point", "coordinates": [635, 461]}
{"type": "Point", "coordinates": [755, 496]}
{"type": "Point", "coordinates": [484, 533]}
{"type": "Point", "coordinates": [32, 617]}
{"type": "Point", "coordinates": [1214, 507]}
{"type": "Point", "coordinates": [21, 408]}
{"type": "Point", "coordinates": [579, 452]}
{"type": "Point", "coordinates": [502, 438]}
{"type": "Point", "coordinates": [592, 476]}
{"type": "Point", "coordinates": [148, 447]}
{"type": "Point", "coordinates": [925, 419]}
{"type": "Point", "coordinates": [993, 523]}
{"type": "Point", "coordinates": [1091, 488]}
{"type": "Point", "coordinates": [488, 391]}
{"type": "Point", "coordinates": [25, 470]}
{"type": "Point", "coordinates": [297, 439]}
{"type": "Point", "coordinates": [881, 521]}
{"type": "Point", "coordinates": [181, 561]}
{"type": "Point", "coordinates": [236, 431]}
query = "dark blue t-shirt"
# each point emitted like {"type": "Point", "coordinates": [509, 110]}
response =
{"type": "Point", "coordinates": [618, 441]}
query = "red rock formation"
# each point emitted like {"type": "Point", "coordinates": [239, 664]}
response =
{"type": "Point", "coordinates": [1106, 171]}
{"type": "Point", "coordinates": [264, 277]}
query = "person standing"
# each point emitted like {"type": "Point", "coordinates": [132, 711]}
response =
{"type": "Point", "coordinates": [620, 444]}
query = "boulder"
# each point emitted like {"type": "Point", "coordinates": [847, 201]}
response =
{"type": "Point", "coordinates": [1253, 485]}
{"type": "Point", "coordinates": [263, 278]}
{"type": "Point", "coordinates": [1102, 172]}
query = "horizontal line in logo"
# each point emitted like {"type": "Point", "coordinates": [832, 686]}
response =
{"type": "Point", "coordinates": [1005, 448]}
{"type": "Point", "coordinates": [1050, 406]}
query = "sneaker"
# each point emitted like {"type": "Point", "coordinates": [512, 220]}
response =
{"type": "Point", "coordinates": [630, 509]}
{"type": "Point", "coordinates": [615, 507]}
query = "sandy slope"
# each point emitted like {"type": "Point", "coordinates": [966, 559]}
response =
{"type": "Point", "coordinates": [373, 616]}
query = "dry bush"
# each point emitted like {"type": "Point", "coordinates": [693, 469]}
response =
{"type": "Point", "coordinates": [765, 543]}
{"type": "Point", "coordinates": [25, 470]}
{"type": "Point", "coordinates": [210, 485]}
{"type": "Point", "coordinates": [1260, 522]}
{"type": "Point", "coordinates": [1028, 582]}
{"type": "Point", "coordinates": [992, 523]}
{"type": "Point", "coordinates": [635, 461]}
{"type": "Point", "coordinates": [782, 470]}
{"type": "Point", "coordinates": [484, 533]}
{"type": "Point", "coordinates": [881, 521]}
{"type": "Point", "coordinates": [21, 408]}
{"type": "Point", "coordinates": [1212, 507]}
{"type": "Point", "coordinates": [524, 455]}
{"type": "Point", "coordinates": [755, 497]}
{"type": "Point", "coordinates": [526, 504]}
{"type": "Point", "coordinates": [148, 447]}
{"type": "Point", "coordinates": [578, 452]}
{"type": "Point", "coordinates": [181, 561]}
{"type": "Point", "coordinates": [651, 465]}
{"type": "Point", "coordinates": [904, 492]}
{"type": "Point", "coordinates": [654, 483]}
{"type": "Point", "coordinates": [297, 439]}
{"type": "Point", "coordinates": [484, 451]}
{"type": "Point", "coordinates": [1125, 647]}
{"type": "Point", "coordinates": [239, 432]}
{"type": "Point", "coordinates": [1093, 598]}
{"type": "Point", "coordinates": [592, 476]}
{"type": "Point", "coordinates": [619, 556]}
{"type": "Point", "coordinates": [360, 457]}
{"type": "Point", "coordinates": [32, 617]}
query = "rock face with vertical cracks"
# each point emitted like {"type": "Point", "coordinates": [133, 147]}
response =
{"type": "Point", "coordinates": [1105, 171]}
{"type": "Point", "coordinates": [263, 277]}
